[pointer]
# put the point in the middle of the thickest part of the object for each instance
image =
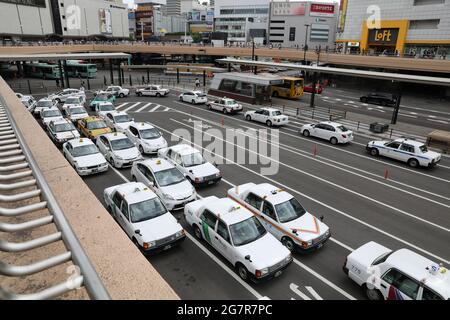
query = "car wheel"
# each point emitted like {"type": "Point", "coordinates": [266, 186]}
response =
{"type": "Point", "coordinates": [333, 140]}
{"type": "Point", "coordinates": [121, 95]}
{"type": "Point", "coordinates": [209, 107]}
{"type": "Point", "coordinates": [288, 243]}
{"type": "Point", "coordinates": [413, 163]}
{"type": "Point", "coordinates": [111, 161]}
{"type": "Point", "coordinates": [58, 101]}
{"type": "Point", "coordinates": [306, 133]}
{"type": "Point", "coordinates": [225, 111]}
{"type": "Point", "coordinates": [197, 232]}
{"type": "Point", "coordinates": [364, 100]}
{"type": "Point", "coordinates": [158, 94]}
{"type": "Point", "coordinates": [139, 94]}
{"type": "Point", "coordinates": [193, 101]}
{"type": "Point", "coordinates": [374, 152]}
{"type": "Point", "coordinates": [242, 272]}
{"type": "Point", "coordinates": [137, 245]}
{"type": "Point", "coordinates": [181, 98]}
{"type": "Point", "coordinates": [141, 149]}
{"type": "Point", "coordinates": [248, 118]}
{"type": "Point", "coordinates": [373, 294]}
{"type": "Point", "coordinates": [269, 123]}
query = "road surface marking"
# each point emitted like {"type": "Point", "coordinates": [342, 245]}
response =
{"type": "Point", "coordinates": [123, 104]}
{"type": "Point", "coordinates": [145, 106]}
{"type": "Point", "coordinates": [313, 293]}
{"type": "Point", "coordinates": [439, 121]}
{"type": "Point", "coordinates": [131, 107]}
{"type": "Point", "coordinates": [407, 115]}
{"type": "Point", "coordinates": [294, 288]}
{"type": "Point", "coordinates": [155, 108]}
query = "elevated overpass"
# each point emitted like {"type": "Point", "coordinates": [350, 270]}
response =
{"type": "Point", "coordinates": [391, 63]}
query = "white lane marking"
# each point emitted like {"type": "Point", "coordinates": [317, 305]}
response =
{"type": "Point", "coordinates": [407, 115]}
{"type": "Point", "coordinates": [167, 109]}
{"type": "Point", "coordinates": [313, 293]}
{"type": "Point", "coordinates": [155, 108]}
{"type": "Point", "coordinates": [356, 193]}
{"type": "Point", "coordinates": [365, 104]}
{"type": "Point", "coordinates": [318, 143]}
{"type": "Point", "coordinates": [122, 105]}
{"type": "Point", "coordinates": [131, 107]}
{"type": "Point", "coordinates": [209, 253]}
{"type": "Point", "coordinates": [294, 288]}
{"type": "Point", "coordinates": [439, 121]}
{"type": "Point", "coordinates": [349, 216]}
{"type": "Point", "coordinates": [342, 244]}
{"type": "Point", "coordinates": [427, 110]}
{"type": "Point", "coordinates": [350, 101]}
{"type": "Point", "coordinates": [337, 99]}
{"type": "Point", "coordinates": [145, 106]}
{"type": "Point", "coordinates": [432, 116]}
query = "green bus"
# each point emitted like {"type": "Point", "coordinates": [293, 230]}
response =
{"type": "Point", "coordinates": [42, 70]}
{"type": "Point", "coordinates": [76, 68]}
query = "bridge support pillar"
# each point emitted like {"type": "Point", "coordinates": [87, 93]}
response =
{"type": "Point", "coordinates": [111, 70]}
{"type": "Point", "coordinates": [66, 75]}
{"type": "Point", "coordinates": [119, 71]}
{"type": "Point", "coordinates": [61, 75]}
{"type": "Point", "coordinates": [397, 104]}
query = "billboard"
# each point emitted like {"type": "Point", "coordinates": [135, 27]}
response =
{"type": "Point", "coordinates": [342, 15]}
{"type": "Point", "coordinates": [321, 10]}
{"type": "Point", "coordinates": [105, 20]}
{"type": "Point", "coordinates": [33, 3]}
{"type": "Point", "coordinates": [384, 36]}
{"type": "Point", "coordinates": [288, 8]}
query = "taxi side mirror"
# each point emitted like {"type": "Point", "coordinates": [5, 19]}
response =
{"type": "Point", "coordinates": [321, 218]}
{"type": "Point", "coordinates": [138, 232]}
{"type": "Point", "coordinates": [190, 171]}
{"type": "Point", "coordinates": [247, 257]}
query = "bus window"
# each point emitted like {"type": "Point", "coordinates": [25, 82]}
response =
{"type": "Point", "coordinates": [228, 85]}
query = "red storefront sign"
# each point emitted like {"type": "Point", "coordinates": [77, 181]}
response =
{"type": "Point", "coordinates": [321, 10]}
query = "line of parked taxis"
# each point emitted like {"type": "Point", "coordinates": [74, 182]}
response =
{"type": "Point", "coordinates": [256, 227]}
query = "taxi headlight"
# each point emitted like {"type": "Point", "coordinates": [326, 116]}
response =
{"type": "Point", "coordinates": [199, 179]}
{"type": "Point", "coordinates": [119, 157]}
{"type": "Point", "coordinates": [218, 174]}
{"type": "Point", "coordinates": [148, 245]}
{"type": "Point", "coordinates": [261, 273]}
{"type": "Point", "coordinates": [180, 233]}
{"type": "Point", "coordinates": [82, 168]}
{"type": "Point", "coordinates": [288, 258]}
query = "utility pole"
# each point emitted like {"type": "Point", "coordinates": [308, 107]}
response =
{"type": "Point", "coordinates": [306, 43]}
{"type": "Point", "coordinates": [142, 30]}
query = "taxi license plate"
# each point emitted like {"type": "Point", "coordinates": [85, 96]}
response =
{"type": "Point", "coordinates": [278, 273]}
{"type": "Point", "coordinates": [211, 182]}
{"type": "Point", "coordinates": [94, 170]}
{"type": "Point", "coordinates": [167, 247]}
{"type": "Point", "coordinates": [320, 245]}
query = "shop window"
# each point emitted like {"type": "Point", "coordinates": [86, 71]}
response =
{"type": "Point", "coordinates": [427, 2]}
{"type": "Point", "coordinates": [228, 85]}
{"type": "Point", "coordinates": [244, 88]}
{"type": "Point", "coordinates": [424, 24]}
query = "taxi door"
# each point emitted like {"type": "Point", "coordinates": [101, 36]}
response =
{"type": "Point", "coordinates": [208, 223]}
{"type": "Point", "coordinates": [394, 285]}
{"type": "Point", "coordinates": [222, 241]}
{"type": "Point", "coordinates": [269, 220]}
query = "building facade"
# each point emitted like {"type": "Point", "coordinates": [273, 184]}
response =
{"type": "Point", "coordinates": [296, 23]}
{"type": "Point", "coordinates": [410, 27]}
{"type": "Point", "coordinates": [69, 19]}
{"type": "Point", "coordinates": [167, 24]}
{"type": "Point", "coordinates": [242, 21]}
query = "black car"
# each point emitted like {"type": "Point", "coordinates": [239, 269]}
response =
{"type": "Point", "coordinates": [383, 99]}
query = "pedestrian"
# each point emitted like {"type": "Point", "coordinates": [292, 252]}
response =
{"type": "Point", "coordinates": [82, 86]}
{"type": "Point", "coordinates": [57, 83]}
{"type": "Point", "coordinates": [197, 83]}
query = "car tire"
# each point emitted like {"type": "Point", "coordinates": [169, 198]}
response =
{"type": "Point", "coordinates": [363, 100]}
{"type": "Point", "coordinates": [209, 107]}
{"type": "Point", "coordinates": [306, 133]}
{"type": "Point", "coordinates": [139, 94]}
{"type": "Point", "coordinates": [197, 232]}
{"type": "Point", "coordinates": [225, 111]}
{"type": "Point", "coordinates": [269, 123]}
{"type": "Point", "coordinates": [193, 101]}
{"type": "Point", "coordinates": [374, 152]}
{"type": "Point", "coordinates": [242, 272]}
{"type": "Point", "coordinates": [413, 163]}
{"type": "Point", "coordinates": [121, 95]}
{"type": "Point", "coordinates": [181, 99]}
{"type": "Point", "coordinates": [133, 178]}
{"type": "Point", "coordinates": [141, 149]}
{"type": "Point", "coordinates": [288, 243]}
{"type": "Point", "coordinates": [58, 101]}
{"type": "Point", "coordinates": [334, 141]}
{"type": "Point", "coordinates": [158, 94]}
{"type": "Point", "coordinates": [248, 118]}
{"type": "Point", "coordinates": [111, 161]}
{"type": "Point", "coordinates": [373, 294]}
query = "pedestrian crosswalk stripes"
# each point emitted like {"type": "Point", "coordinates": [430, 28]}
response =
{"type": "Point", "coordinates": [142, 107]}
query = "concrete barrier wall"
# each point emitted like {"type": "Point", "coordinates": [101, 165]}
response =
{"type": "Point", "coordinates": [125, 272]}
{"type": "Point", "coordinates": [439, 66]}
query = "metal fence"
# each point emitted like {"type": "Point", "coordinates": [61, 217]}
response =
{"type": "Point", "coordinates": [18, 170]}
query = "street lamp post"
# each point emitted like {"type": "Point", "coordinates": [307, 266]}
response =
{"type": "Point", "coordinates": [306, 43]}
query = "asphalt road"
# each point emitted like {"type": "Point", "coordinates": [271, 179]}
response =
{"type": "Point", "coordinates": [342, 183]}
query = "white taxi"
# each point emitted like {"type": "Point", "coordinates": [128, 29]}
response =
{"type": "Point", "coordinates": [62, 130]}
{"type": "Point", "coordinates": [50, 114]}
{"type": "Point", "coordinates": [73, 100]}
{"type": "Point", "coordinates": [397, 275]}
{"type": "Point", "coordinates": [282, 215]}
{"type": "Point", "coordinates": [75, 113]}
{"type": "Point", "coordinates": [61, 96]}
{"type": "Point", "coordinates": [153, 90]}
{"type": "Point", "coordinates": [143, 217]}
{"type": "Point", "coordinates": [43, 103]}
{"type": "Point", "coordinates": [194, 97]}
{"type": "Point", "coordinates": [118, 120]}
{"type": "Point", "coordinates": [101, 109]}
{"type": "Point", "coordinates": [118, 149]}
{"type": "Point", "coordinates": [269, 116]}
{"type": "Point", "coordinates": [239, 237]}
{"type": "Point", "coordinates": [225, 105]}
{"type": "Point", "coordinates": [146, 137]}
{"type": "Point", "coordinates": [328, 130]}
{"type": "Point", "coordinates": [166, 181]}
{"type": "Point", "coordinates": [192, 164]}
{"type": "Point", "coordinates": [412, 152]}
{"type": "Point", "coordinates": [116, 90]}
{"type": "Point", "coordinates": [84, 156]}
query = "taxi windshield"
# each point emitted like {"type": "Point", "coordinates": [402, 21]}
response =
{"type": "Point", "coordinates": [289, 210]}
{"type": "Point", "coordinates": [44, 104]}
{"type": "Point", "coordinates": [276, 113]}
{"type": "Point", "coordinates": [102, 97]}
{"type": "Point", "coordinates": [146, 210]}
{"type": "Point", "coordinates": [193, 159]}
{"type": "Point", "coordinates": [122, 118]}
{"type": "Point", "coordinates": [64, 127]}
{"type": "Point", "coordinates": [230, 102]}
{"type": "Point", "coordinates": [51, 113]}
{"type": "Point", "coordinates": [246, 231]}
{"type": "Point", "coordinates": [149, 133]}
{"type": "Point", "coordinates": [73, 100]}
{"type": "Point", "coordinates": [93, 125]}
{"type": "Point", "coordinates": [423, 148]}
{"type": "Point", "coordinates": [169, 177]}
{"type": "Point", "coordinates": [342, 128]}
{"type": "Point", "coordinates": [121, 144]}
{"type": "Point", "coordinates": [84, 150]}
{"type": "Point", "coordinates": [106, 107]}
{"type": "Point", "coordinates": [77, 110]}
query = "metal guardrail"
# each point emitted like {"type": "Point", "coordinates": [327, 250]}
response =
{"type": "Point", "coordinates": [17, 163]}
